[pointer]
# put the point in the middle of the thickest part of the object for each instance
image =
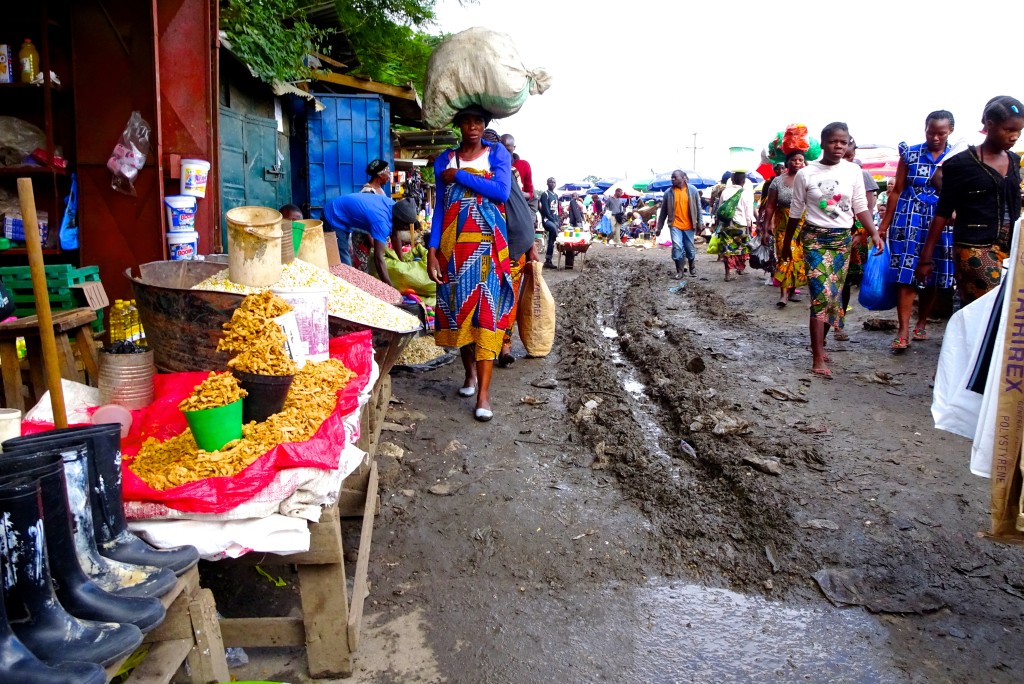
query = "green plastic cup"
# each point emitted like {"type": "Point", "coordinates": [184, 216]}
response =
{"type": "Point", "coordinates": [215, 427]}
{"type": "Point", "coordinates": [297, 229]}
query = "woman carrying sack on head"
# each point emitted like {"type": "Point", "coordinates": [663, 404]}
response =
{"type": "Point", "coordinates": [468, 255]}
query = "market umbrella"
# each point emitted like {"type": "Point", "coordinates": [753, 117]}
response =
{"type": "Point", "coordinates": [576, 186]}
{"type": "Point", "coordinates": [627, 187]}
{"type": "Point", "coordinates": [663, 181]}
{"type": "Point", "coordinates": [879, 160]}
{"type": "Point", "coordinates": [605, 183]}
{"type": "Point", "coordinates": [642, 185]}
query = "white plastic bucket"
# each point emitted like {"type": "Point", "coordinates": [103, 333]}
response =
{"type": "Point", "coordinates": [194, 173]}
{"type": "Point", "coordinates": [312, 247]}
{"type": "Point", "coordinates": [254, 246]}
{"type": "Point", "coordinates": [181, 213]}
{"type": "Point", "coordinates": [10, 423]}
{"type": "Point", "coordinates": [310, 305]}
{"type": "Point", "coordinates": [183, 246]}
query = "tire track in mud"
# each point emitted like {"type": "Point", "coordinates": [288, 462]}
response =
{"type": "Point", "coordinates": [720, 520]}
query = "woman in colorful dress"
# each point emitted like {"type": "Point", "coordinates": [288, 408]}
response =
{"type": "Point", "coordinates": [981, 186]}
{"type": "Point", "coordinates": [468, 253]}
{"type": "Point", "coordinates": [736, 233]}
{"type": "Point", "coordinates": [907, 227]}
{"type": "Point", "coordinates": [828, 193]}
{"type": "Point", "coordinates": [790, 274]}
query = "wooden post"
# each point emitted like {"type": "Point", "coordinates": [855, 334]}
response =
{"type": "Point", "coordinates": [38, 269]}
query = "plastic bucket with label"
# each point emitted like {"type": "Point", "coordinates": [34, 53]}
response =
{"type": "Point", "coordinates": [183, 246]}
{"type": "Point", "coordinates": [310, 308]}
{"type": "Point", "coordinates": [194, 174]}
{"type": "Point", "coordinates": [254, 246]}
{"type": "Point", "coordinates": [181, 213]}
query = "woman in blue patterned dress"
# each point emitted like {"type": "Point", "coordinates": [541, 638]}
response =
{"type": "Point", "coordinates": [909, 219]}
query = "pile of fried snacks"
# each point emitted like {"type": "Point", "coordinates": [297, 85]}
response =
{"type": "Point", "coordinates": [311, 398]}
{"type": "Point", "coordinates": [216, 390]}
{"type": "Point", "coordinates": [258, 343]}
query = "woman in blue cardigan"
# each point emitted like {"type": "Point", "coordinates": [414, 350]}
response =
{"type": "Point", "coordinates": [468, 254]}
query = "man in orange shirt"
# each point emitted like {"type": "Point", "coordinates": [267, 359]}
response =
{"type": "Point", "coordinates": [680, 207]}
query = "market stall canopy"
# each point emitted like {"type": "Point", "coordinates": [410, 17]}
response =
{"type": "Point", "coordinates": [576, 186]}
{"type": "Point", "coordinates": [880, 161]}
{"type": "Point", "coordinates": [663, 181]}
{"type": "Point", "coordinates": [605, 183]}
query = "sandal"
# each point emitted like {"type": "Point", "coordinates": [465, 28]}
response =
{"type": "Point", "coordinates": [840, 336]}
{"type": "Point", "coordinates": [780, 303]}
{"type": "Point", "coordinates": [920, 335]}
{"type": "Point", "coordinates": [899, 344]}
{"type": "Point", "coordinates": [823, 372]}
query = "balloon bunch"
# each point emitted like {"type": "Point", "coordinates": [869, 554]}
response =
{"type": "Point", "coordinates": [793, 139]}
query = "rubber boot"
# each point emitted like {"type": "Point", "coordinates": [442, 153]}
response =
{"type": "Point", "coordinates": [34, 613]}
{"type": "Point", "coordinates": [679, 268]}
{"type": "Point", "coordinates": [113, 538]}
{"type": "Point", "coordinates": [113, 576]}
{"type": "Point", "coordinates": [693, 267]}
{"type": "Point", "coordinates": [19, 664]}
{"type": "Point", "coordinates": [79, 595]}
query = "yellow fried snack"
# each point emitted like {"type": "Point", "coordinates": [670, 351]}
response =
{"type": "Point", "coordinates": [250, 320]}
{"type": "Point", "coordinates": [265, 354]}
{"type": "Point", "coordinates": [216, 390]}
{"type": "Point", "coordinates": [311, 398]}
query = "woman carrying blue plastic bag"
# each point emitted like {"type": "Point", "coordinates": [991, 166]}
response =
{"type": "Point", "coordinates": [878, 287]}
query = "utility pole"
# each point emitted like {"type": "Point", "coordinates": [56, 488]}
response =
{"type": "Point", "coordinates": [694, 148]}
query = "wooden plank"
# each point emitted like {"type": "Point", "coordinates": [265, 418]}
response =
{"type": "Point", "coordinates": [34, 354]}
{"type": "Point", "coordinates": [206, 658]}
{"type": "Point", "coordinates": [325, 616]}
{"type": "Point", "coordinates": [178, 623]}
{"type": "Point", "coordinates": [404, 93]}
{"type": "Point", "coordinates": [10, 367]}
{"type": "Point", "coordinates": [351, 503]}
{"type": "Point", "coordinates": [161, 663]}
{"type": "Point", "coordinates": [267, 632]}
{"type": "Point", "coordinates": [359, 591]}
{"type": "Point", "coordinates": [66, 356]}
{"type": "Point", "coordinates": [90, 357]}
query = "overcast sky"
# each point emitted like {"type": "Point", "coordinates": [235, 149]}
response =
{"type": "Point", "coordinates": [634, 81]}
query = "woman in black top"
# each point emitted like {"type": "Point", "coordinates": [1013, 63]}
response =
{"type": "Point", "coordinates": [981, 186]}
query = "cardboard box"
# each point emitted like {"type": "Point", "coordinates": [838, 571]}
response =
{"type": "Point", "coordinates": [14, 227]}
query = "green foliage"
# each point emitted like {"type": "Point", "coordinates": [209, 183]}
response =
{"type": "Point", "coordinates": [271, 36]}
{"type": "Point", "coordinates": [591, 179]}
{"type": "Point", "coordinates": [386, 38]}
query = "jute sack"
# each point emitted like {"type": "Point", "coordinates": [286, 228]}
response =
{"type": "Point", "coordinates": [536, 317]}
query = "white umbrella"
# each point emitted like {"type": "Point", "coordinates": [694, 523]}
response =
{"type": "Point", "coordinates": [626, 186]}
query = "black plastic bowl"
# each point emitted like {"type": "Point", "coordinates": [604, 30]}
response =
{"type": "Point", "coordinates": [266, 394]}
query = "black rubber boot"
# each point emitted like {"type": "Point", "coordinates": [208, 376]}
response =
{"type": "Point", "coordinates": [112, 575]}
{"type": "Point", "coordinates": [113, 538]}
{"type": "Point", "coordinates": [79, 595]}
{"type": "Point", "coordinates": [679, 268]}
{"type": "Point", "coordinates": [693, 267]}
{"type": "Point", "coordinates": [34, 613]}
{"type": "Point", "coordinates": [19, 664]}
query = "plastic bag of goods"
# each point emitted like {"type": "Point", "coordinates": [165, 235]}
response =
{"type": "Point", "coordinates": [478, 66]}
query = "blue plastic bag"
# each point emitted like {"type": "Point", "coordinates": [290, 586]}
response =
{"type": "Point", "coordinates": [878, 286]}
{"type": "Point", "coordinates": [69, 224]}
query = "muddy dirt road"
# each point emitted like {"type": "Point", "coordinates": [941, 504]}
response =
{"type": "Point", "coordinates": [677, 508]}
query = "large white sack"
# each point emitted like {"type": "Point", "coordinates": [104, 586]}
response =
{"type": "Point", "coordinates": [984, 437]}
{"type": "Point", "coordinates": [478, 66]}
{"type": "Point", "coordinates": [954, 407]}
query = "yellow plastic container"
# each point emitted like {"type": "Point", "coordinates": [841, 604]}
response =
{"type": "Point", "coordinates": [254, 246]}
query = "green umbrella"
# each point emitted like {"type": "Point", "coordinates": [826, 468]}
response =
{"type": "Point", "coordinates": [642, 185]}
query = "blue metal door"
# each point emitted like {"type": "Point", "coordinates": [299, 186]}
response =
{"type": "Point", "coordinates": [349, 133]}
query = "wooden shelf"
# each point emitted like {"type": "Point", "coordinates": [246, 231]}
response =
{"type": "Point", "coordinates": [21, 251]}
{"type": "Point", "coordinates": [15, 171]}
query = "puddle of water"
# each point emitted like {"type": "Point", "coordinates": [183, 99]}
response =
{"type": "Point", "coordinates": [715, 635]}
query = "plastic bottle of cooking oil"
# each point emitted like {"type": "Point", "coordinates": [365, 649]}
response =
{"type": "Point", "coordinates": [117, 320]}
{"type": "Point", "coordinates": [28, 57]}
{"type": "Point", "coordinates": [134, 329]}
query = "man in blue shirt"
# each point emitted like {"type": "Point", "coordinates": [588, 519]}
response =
{"type": "Point", "coordinates": [376, 215]}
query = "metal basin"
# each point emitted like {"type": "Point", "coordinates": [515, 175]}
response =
{"type": "Point", "coordinates": [183, 325]}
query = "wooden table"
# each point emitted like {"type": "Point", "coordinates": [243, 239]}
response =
{"type": "Point", "coordinates": [76, 324]}
{"type": "Point", "coordinates": [330, 624]}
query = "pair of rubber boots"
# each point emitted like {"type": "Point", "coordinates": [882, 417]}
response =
{"type": "Point", "coordinates": [70, 608]}
{"type": "Point", "coordinates": [681, 268]}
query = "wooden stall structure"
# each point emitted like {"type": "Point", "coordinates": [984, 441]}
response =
{"type": "Point", "coordinates": [330, 624]}
{"type": "Point", "coordinates": [189, 634]}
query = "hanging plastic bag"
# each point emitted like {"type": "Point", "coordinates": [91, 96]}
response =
{"type": "Point", "coordinates": [715, 244]}
{"type": "Point", "coordinates": [536, 317]}
{"type": "Point", "coordinates": [727, 209]}
{"type": "Point", "coordinates": [129, 155]}
{"type": "Point", "coordinates": [69, 224]}
{"type": "Point", "coordinates": [878, 288]}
